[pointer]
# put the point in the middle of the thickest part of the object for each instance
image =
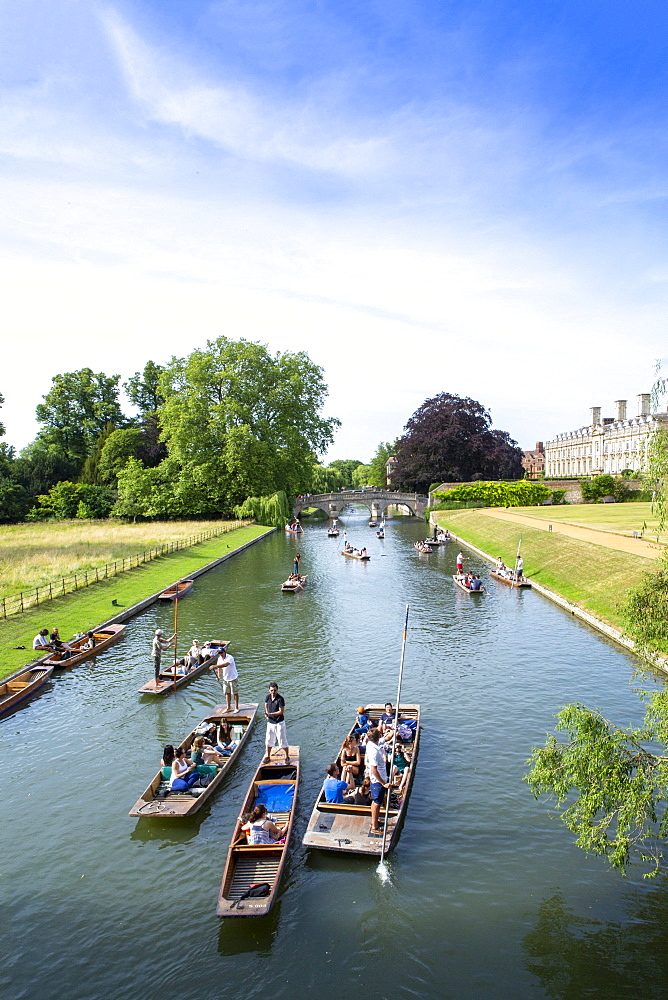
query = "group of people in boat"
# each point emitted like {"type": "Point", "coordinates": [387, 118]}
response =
{"type": "Point", "coordinates": [516, 575]}
{"type": "Point", "coordinates": [294, 526]}
{"type": "Point", "coordinates": [45, 643]}
{"type": "Point", "coordinates": [471, 581]}
{"type": "Point", "coordinates": [359, 775]}
{"type": "Point", "coordinates": [347, 547]}
{"type": "Point", "coordinates": [212, 745]}
{"type": "Point", "coordinates": [423, 547]}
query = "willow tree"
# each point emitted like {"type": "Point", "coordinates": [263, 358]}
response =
{"type": "Point", "coordinates": [249, 421]}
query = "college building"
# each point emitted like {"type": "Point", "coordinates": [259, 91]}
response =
{"type": "Point", "coordinates": [606, 446]}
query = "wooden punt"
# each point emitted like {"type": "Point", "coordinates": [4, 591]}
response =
{"type": "Point", "coordinates": [334, 827]}
{"type": "Point", "coordinates": [355, 555]}
{"type": "Point", "coordinates": [157, 800]}
{"type": "Point", "coordinates": [293, 531]}
{"type": "Point", "coordinates": [422, 548]}
{"type": "Point", "coordinates": [509, 582]}
{"type": "Point", "coordinates": [332, 532]}
{"type": "Point", "coordinates": [104, 637]}
{"type": "Point", "coordinates": [380, 534]}
{"type": "Point", "coordinates": [373, 524]}
{"type": "Point", "coordinates": [23, 686]}
{"type": "Point", "coordinates": [249, 865]}
{"type": "Point", "coordinates": [467, 590]}
{"type": "Point", "coordinates": [166, 681]}
{"type": "Point", "coordinates": [294, 586]}
{"type": "Point", "coordinates": [179, 589]}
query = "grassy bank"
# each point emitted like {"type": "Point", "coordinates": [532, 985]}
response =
{"type": "Point", "coordinates": [591, 576]}
{"type": "Point", "coordinates": [620, 518]}
{"type": "Point", "coordinates": [32, 555]}
{"type": "Point", "coordinates": [77, 612]}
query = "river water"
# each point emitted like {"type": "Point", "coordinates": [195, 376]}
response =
{"type": "Point", "coordinates": [488, 898]}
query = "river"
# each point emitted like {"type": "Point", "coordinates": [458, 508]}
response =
{"type": "Point", "coordinates": [489, 897]}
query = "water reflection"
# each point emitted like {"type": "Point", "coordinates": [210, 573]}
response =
{"type": "Point", "coordinates": [575, 956]}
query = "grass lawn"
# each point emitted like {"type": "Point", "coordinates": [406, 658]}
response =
{"type": "Point", "coordinates": [622, 518]}
{"type": "Point", "coordinates": [591, 576]}
{"type": "Point", "coordinates": [92, 605]}
{"type": "Point", "coordinates": [32, 555]}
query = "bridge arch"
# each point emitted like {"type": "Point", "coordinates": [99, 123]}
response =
{"type": "Point", "coordinates": [376, 501]}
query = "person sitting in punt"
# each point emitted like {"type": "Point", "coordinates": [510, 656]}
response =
{"type": "Point", "coordinates": [351, 761]}
{"type": "Point", "coordinates": [388, 717]}
{"type": "Point", "coordinates": [184, 775]}
{"type": "Point", "coordinates": [202, 752]}
{"type": "Point", "coordinates": [364, 552]}
{"type": "Point", "coordinates": [333, 787]}
{"type": "Point", "coordinates": [224, 744]}
{"type": "Point", "coordinates": [259, 829]}
{"type": "Point", "coordinates": [400, 770]}
{"type": "Point", "coordinates": [41, 641]}
{"type": "Point", "coordinates": [363, 723]}
{"type": "Point", "coordinates": [91, 641]}
{"type": "Point", "coordinates": [361, 796]}
{"type": "Point", "coordinates": [168, 755]}
{"type": "Point", "coordinates": [475, 583]}
{"type": "Point", "coordinates": [194, 655]}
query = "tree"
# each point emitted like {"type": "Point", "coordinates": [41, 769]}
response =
{"type": "Point", "coordinates": [76, 410]}
{"type": "Point", "coordinates": [2, 426]}
{"type": "Point", "coordinates": [143, 389]}
{"type": "Point", "coordinates": [345, 467]}
{"type": "Point", "coordinates": [450, 439]}
{"type": "Point", "coordinates": [251, 421]}
{"type": "Point", "coordinates": [378, 465]}
{"type": "Point", "coordinates": [361, 476]}
{"type": "Point", "coordinates": [614, 781]}
{"type": "Point", "coordinates": [40, 467]}
{"type": "Point", "coordinates": [121, 445]}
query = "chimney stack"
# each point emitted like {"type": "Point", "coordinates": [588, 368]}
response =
{"type": "Point", "coordinates": [539, 446]}
{"type": "Point", "coordinates": [595, 416]}
{"type": "Point", "coordinates": [621, 409]}
{"type": "Point", "coordinates": [643, 404]}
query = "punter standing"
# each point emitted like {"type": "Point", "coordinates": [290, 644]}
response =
{"type": "Point", "coordinates": [156, 651]}
{"type": "Point", "coordinates": [274, 708]}
{"type": "Point", "coordinates": [295, 569]}
{"type": "Point", "coordinates": [227, 673]}
{"type": "Point", "coordinates": [460, 564]}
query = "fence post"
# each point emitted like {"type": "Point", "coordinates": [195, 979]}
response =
{"type": "Point", "coordinates": [21, 595]}
{"type": "Point", "coordinates": [75, 581]}
{"type": "Point", "coordinates": [86, 577]}
{"type": "Point", "coordinates": [63, 585]}
{"type": "Point", "coordinates": [37, 596]}
{"type": "Point", "coordinates": [4, 607]}
{"type": "Point", "coordinates": [50, 593]}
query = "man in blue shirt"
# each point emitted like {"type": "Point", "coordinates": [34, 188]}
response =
{"type": "Point", "coordinates": [333, 787]}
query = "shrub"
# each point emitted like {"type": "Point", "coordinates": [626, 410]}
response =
{"type": "Point", "coordinates": [558, 496]}
{"type": "Point", "coordinates": [599, 486]}
{"type": "Point", "coordinates": [520, 493]}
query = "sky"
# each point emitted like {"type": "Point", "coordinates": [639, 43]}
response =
{"type": "Point", "coordinates": [426, 196]}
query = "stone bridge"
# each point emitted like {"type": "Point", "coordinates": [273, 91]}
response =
{"type": "Point", "coordinates": [376, 500]}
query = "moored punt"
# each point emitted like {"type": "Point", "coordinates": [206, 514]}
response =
{"type": "Point", "coordinates": [170, 679]}
{"type": "Point", "coordinates": [247, 865]}
{"type": "Point", "coordinates": [293, 585]}
{"type": "Point", "coordinates": [18, 688]}
{"type": "Point", "coordinates": [79, 650]}
{"type": "Point", "coordinates": [179, 589]}
{"type": "Point", "coordinates": [467, 590]}
{"type": "Point", "coordinates": [335, 827]}
{"type": "Point", "coordinates": [158, 800]}
{"type": "Point", "coordinates": [355, 555]}
{"type": "Point", "coordinates": [510, 581]}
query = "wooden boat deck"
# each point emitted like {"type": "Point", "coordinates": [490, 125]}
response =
{"type": "Point", "coordinates": [178, 589]}
{"type": "Point", "coordinates": [157, 800]}
{"type": "Point", "coordinates": [509, 582]}
{"type": "Point", "coordinates": [23, 686]}
{"type": "Point", "coordinates": [104, 637]}
{"type": "Point", "coordinates": [166, 682]}
{"type": "Point", "coordinates": [334, 827]}
{"type": "Point", "coordinates": [251, 864]}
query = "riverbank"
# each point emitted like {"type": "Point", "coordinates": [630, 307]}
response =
{"type": "Point", "coordinates": [93, 606]}
{"type": "Point", "coordinates": [586, 578]}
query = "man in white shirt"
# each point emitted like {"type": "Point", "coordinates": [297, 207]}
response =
{"type": "Point", "coordinates": [226, 671]}
{"type": "Point", "coordinates": [41, 642]}
{"type": "Point", "coordinates": [376, 766]}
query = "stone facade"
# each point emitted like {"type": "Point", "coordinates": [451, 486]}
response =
{"type": "Point", "coordinates": [605, 446]}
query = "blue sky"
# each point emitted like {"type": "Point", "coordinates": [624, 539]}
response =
{"type": "Point", "coordinates": [427, 197]}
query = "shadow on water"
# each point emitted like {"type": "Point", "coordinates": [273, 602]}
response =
{"type": "Point", "coordinates": [177, 831]}
{"type": "Point", "coordinates": [575, 956]}
{"type": "Point", "coordinates": [254, 935]}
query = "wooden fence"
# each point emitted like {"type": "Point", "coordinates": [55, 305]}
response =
{"type": "Point", "coordinates": [16, 603]}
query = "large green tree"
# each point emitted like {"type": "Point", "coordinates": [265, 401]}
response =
{"type": "Point", "coordinates": [76, 410]}
{"type": "Point", "coordinates": [251, 420]}
{"type": "Point", "coordinates": [143, 389]}
{"type": "Point", "coordinates": [345, 467]}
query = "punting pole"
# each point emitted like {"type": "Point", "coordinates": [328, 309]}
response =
{"type": "Point", "coordinates": [176, 628]}
{"type": "Point", "coordinates": [382, 867]}
{"type": "Point", "coordinates": [519, 549]}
